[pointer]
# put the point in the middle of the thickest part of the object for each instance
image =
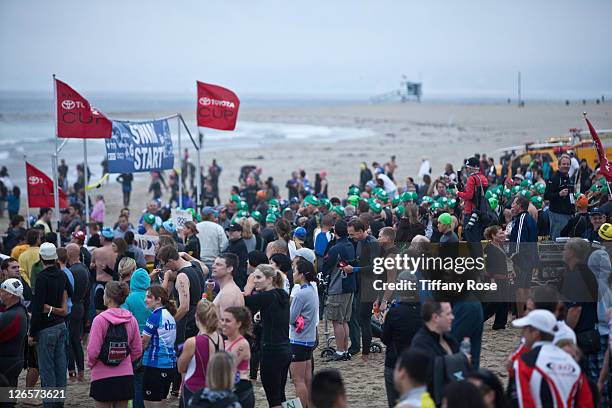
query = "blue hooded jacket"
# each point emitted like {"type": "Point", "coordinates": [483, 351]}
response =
{"type": "Point", "coordinates": [135, 302]}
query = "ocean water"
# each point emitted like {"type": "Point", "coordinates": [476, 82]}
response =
{"type": "Point", "coordinates": [27, 128]}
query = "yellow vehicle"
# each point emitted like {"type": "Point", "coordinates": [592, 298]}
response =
{"type": "Point", "coordinates": [585, 148]}
{"type": "Point", "coordinates": [579, 141]}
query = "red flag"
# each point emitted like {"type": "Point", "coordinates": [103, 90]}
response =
{"type": "Point", "coordinates": [40, 189]}
{"type": "Point", "coordinates": [76, 118]}
{"type": "Point", "coordinates": [604, 166]}
{"type": "Point", "coordinates": [217, 107]}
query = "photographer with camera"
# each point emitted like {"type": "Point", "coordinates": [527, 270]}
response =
{"type": "Point", "coordinates": [473, 225]}
{"type": "Point", "coordinates": [560, 193]}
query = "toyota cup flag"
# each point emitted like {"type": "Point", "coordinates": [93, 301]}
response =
{"type": "Point", "coordinates": [40, 190]}
{"type": "Point", "coordinates": [217, 107]}
{"type": "Point", "coordinates": [76, 118]}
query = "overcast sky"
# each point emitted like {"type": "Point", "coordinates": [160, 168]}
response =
{"type": "Point", "coordinates": [315, 47]}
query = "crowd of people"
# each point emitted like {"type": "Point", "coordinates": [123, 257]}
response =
{"type": "Point", "coordinates": [239, 292]}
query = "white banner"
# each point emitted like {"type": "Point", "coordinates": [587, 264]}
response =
{"type": "Point", "coordinates": [146, 243]}
{"type": "Point", "coordinates": [180, 217]}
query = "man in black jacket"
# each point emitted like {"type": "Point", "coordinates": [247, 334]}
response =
{"type": "Point", "coordinates": [367, 248]}
{"type": "Point", "coordinates": [560, 193]}
{"type": "Point", "coordinates": [401, 323]}
{"type": "Point", "coordinates": [47, 328]}
{"type": "Point", "coordinates": [434, 337]}
{"type": "Point", "coordinates": [237, 246]}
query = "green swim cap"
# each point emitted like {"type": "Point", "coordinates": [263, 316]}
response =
{"type": "Point", "coordinates": [274, 202]}
{"type": "Point", "coordinates": [493, 202]}
{"type": "Point", "coordinates": [540, 188]}
{"type": "Point", "coordinates": [339, 210]}
{"type": "Point", "coordinates": [383, 196]}
{"type": "Point", "coordinates": [400, 210]}
{"type": "Point", "coordinates": [427, 200]}
{"type": "Point", "coordinates": [256, 215]}
{"type": "Point", "coordinates": [149, 218]}
{"type": "Point", "coordinates": [312, 200]}
{"type": "Point", "coordinates": [445, 219]}
{"type": "Point", "coordinates": [526, 194]}
{"type": "Point", "coordinates": [452, 203]}
{"type": "Point", "coordinates": [395, 202]}
{"type": "Point", "coordinates": [537, 201]}
{"type": "Point", "coordinates": [353, 200]}
{"type": "Point", "coordinates": [270, 218]}
{"type": "Point", "coordinates": [353, 190]}
{"type": "Point", "coordinates": [376, 207]}
{"type": "Point", "coordinates": [235, 198]}
{"type": "Point", "coordinates": [326, 203]}
{"type": "Point", "coordinates": [242, 206]}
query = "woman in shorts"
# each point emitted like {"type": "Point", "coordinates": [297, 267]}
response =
{"type": "Point", "coordinates": [158, 337]}
{"type": "Point", "coordinates": [303, 319]}
{"type": "Point", "coordinates": [113, 385]}
{"type": "Point", "coordinates": [236, 323]}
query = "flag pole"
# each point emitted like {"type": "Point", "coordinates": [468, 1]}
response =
{"type": "Point", "coordinates": [180, 198]}
{"type": "Point", "coordinates": [199, 199]}
{"type": "Point", "coordinates": [86, 181]}
{"type": "Point", "coordinates": [54, 164]}
{"type": "Point", "coordinates": [27, 200]}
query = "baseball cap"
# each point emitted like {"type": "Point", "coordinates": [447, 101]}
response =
{"type": "Point", "coordinates": [206, 211]}
{"type": "Point", "coordinates": [234, 227]}
{"type": "Point", "coordinates": [300, 233]}
{"type": "Point", "coordinates": [107, 233]}
{"type": "Point", "coordinates": [294, 200]}
{"type": "Point", "coordinates": [605, 232]}
{"type": "Point", "coordinates": [540, 319]}
{"type": "Point", "coordinates": [169, 226]}
{"type": "Point", "coordinates": [80, 235]}
{"type": "Point", "coordinates": [445, 219]}
{"type": "Point", "coordinates": [307, 254]}
{"type": "Point", "coordinates": [472, 162]}
{"type": "Point", "coordinates": [13, 286]}
{"type": "Point", "coordinates": [596, 211]}
{"type": "Point", "coordinates": [47, 251]}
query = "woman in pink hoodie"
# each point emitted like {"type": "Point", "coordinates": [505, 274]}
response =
{"type": "Point", "coordinates": [112, 376]}
{"type": "Point", "coordinates": [99, 209]}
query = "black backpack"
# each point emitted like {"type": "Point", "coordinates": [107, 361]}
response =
{"type": "Point", "coordinates": [487, 216]}
{"type": "Point", "coordinates": [115, 348]}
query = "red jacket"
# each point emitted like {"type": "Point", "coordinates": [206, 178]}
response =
{"type": "Point", "coordinates": [547, 376]}
{"type": "Point", "coordinates": [471, 186]}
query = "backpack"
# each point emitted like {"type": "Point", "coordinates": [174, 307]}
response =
{"type": "Point", "coordinates": [115, 348]}
{"type": "Point", "coordinates": [448, 369]}
{"type": "Point", "coordinates": [487, 216]}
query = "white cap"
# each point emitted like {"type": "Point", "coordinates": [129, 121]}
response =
{"type": "Point", "coordinates": [47, 251]}
{"type": "Point", "coordinates": [540, 319]}
{"type": "Point", "coordinates": [307, 254]}
{"type": "Point", "coordinates": [13, 286]}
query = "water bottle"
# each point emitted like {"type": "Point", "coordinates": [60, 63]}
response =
{"type": "Point", "coordinates": [466, 346]}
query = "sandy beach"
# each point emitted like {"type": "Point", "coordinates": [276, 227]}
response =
{"type": "Point", "coordinates": [440, 132]}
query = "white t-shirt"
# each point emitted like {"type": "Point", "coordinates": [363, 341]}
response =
{"type": "Point", "coordinates": [389, 185]}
